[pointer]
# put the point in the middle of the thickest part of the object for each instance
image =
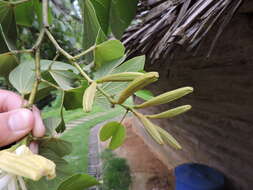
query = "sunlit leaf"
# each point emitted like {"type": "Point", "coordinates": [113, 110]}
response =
{"type": "Point", "coordinates": [114, 131]}
{"type": "Point", "coordinates": [78, 182]}
{"type": "Point", "coordinates": [108, 51]}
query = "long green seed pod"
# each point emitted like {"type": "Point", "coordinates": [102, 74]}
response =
{"type": "Point", "coordinates": [88, 97]}
{"type": "Point", "coordinates": [120, 77]}
{"type": "Point", "coordinates": [168, 138]}
{"type": "Point", "coordinates": [150, 127]}
{"type": "Point", "coordinates": [170, 113]}
{"type": "Point", "coordinates": [166, 97]}
{"type": "Point", "coordinates": [137, 84]}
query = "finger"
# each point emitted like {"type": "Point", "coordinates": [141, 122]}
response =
{"type": "Point", "coordinates": [9, 101]}
{"type": "Point", "coordinates": [34, 147]}
{"type": "Point", "coordinates": [39, 128]}
{"type": "Point", "coordinates": [15, 125]}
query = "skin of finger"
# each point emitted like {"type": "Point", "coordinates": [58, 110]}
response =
{"type": "Point", "coordinates": [7, 136]}
{"type": "Point", "coordinates": [39, 128]}
{"type": "Point", "coordinates": [11, 101]}
{"type": "Point", "coordinates": [34, 147]}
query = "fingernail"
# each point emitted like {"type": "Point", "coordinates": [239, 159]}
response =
{"type": "Point", "coordinates": [20, 120]}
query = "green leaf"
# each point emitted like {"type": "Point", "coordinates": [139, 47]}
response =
{"type": "Point", "coordinates": [107, 68]}
{"type": "Point", "coordinates": [144, 94]}
{"type": "Point", "coordinates": [102, 9]}
{"type": "Point", "coordinates": [22, 77]}
{"type": "Point", "coordinates": [101, 37]}
{"type": "Point", "coordinates": [108, 51]}
{"type": "Point", "coordinates": [51, 124]}
{"type": "Point", "coordinates": [114, 131]}
{"type": "Point", "coordinates": [78, 182]}
{"type": "Point", "coordinates": [115, 14]}
{"type": "Point", "coordinates": [59, 146]}
{"type": "Point", "coordinates": [57, 66]}
{"type": "Point", "coordinates": [65, 79]}
{"type": "Point", "coordinates": [7, 63]}
{"type": "Point", "coordinates": [121, 14]}
{"type": "Point", "coordinates": [24, 13]}
{"type": "Point", "coordinates": [132, 65]}
{"type": "Point", "coordinates": [8, 29]}
{"type": "Point", "coordinates": [73, 98]}
{"type": "Point", "coordinates": [91, 26]}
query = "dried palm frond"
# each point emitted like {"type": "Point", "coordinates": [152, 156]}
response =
{"type": "Point", "coordinates": [161, 26]}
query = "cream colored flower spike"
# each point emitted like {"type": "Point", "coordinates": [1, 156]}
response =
{"type": "Point", "coordinates": [26, 164]}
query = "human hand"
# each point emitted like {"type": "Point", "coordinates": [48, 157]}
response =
{"type": "Point", "coordinates": [15, 121]}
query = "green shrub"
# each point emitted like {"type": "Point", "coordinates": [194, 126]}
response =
{"type": "Point", "coordinates": [116, 172]}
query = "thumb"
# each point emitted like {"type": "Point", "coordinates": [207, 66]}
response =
{"type": "Point", "coordinates": [14, 125]}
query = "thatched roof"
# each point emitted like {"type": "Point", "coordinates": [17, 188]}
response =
{"type": "Point", "coordinates": [163, 25]}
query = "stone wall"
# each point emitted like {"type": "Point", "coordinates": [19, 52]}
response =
{"type": "Point", "coordinates": [218, 131]}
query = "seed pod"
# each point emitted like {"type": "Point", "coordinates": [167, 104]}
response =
{"type": "Point", "coordinates": [166, 97]}
{"type": "Point", "coordinates": [168, 138]}
{"type": "Point", "coordinates": [137, 84]}
{"type": "Point", "coordinates": [27, 165]}
{"type": "Point", "coordinates": [170, 113]}
{"type": "Point", "coordinates": [150, 127]}
{"type": "Point", "coordinates": [120, 77]}
{"type": "Point", "coordinates": [88, 97]}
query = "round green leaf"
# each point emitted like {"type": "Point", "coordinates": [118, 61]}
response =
{"type": "Point", "coordinates": [114, 131]}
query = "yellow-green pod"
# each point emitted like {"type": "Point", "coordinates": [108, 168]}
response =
{"type": "Point", "coordinates": [168, 138]}
{"type": "Point", "coordinates": [26, 164]}
{"type": "Point", "coordinates": [166, 97]}
{"type": "Point", "coordinates": [120, 77]}
{"type": "Point", "coordinates": [137, 84]}
{"type": "Point", "coordinates": [150, 127]}
{"type": "Point", "coordinates": [170, 113]}
{"type": "Point", "coordinates": [88, 97]}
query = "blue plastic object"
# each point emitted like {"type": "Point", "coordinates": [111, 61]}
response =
{"type": "Point", "coordinates": [198, 177]}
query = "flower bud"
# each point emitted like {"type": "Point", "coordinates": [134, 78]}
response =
{"type": "Point", "coordinates": [120, 77]}
{"type": "Point", "coordinates": [166, 97]}
{"type": "Point", "coordinates": [150, 127]}
{"type": "Point", "coordinates": [26, 164]}
{"type": "Point", "coordinates": [137, 84]}
{"type": "Point", "coordinates": [88, 97]}
{"type": "Point", "coordinates": [168, 138]}
{"type": "Point", "coordinates": [170, 113]}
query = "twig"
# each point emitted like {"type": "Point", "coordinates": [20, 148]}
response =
{"type": "Point", "coordinates": [57, 46]}
{"type": "Point", "coordinates": [39, 40]}
{"type": "Point", "coordinates": [37, 79]}
{"type": "Point", "coordinates": [51, 84]}
{"type": "Point", "coordinates": [45, 13]}
{"type": "Point", "coordinates": [84, 53]}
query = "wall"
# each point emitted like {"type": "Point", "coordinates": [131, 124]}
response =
{"type": "Point", "coordinates": [219, 129]}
